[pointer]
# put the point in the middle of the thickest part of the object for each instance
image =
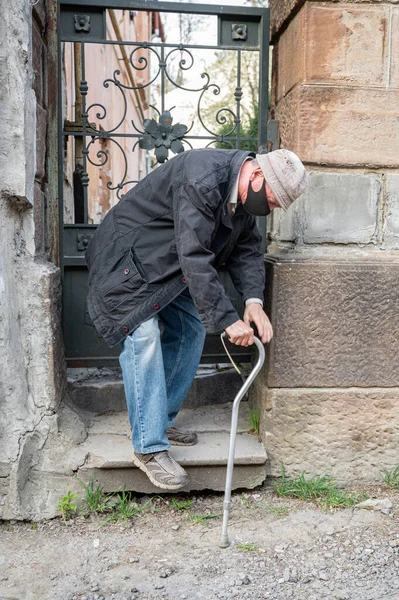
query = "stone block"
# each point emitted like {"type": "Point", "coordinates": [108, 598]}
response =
{"type": "Point", "coordinates": [104, 394]}
{"type": "Point", "coordinates": [341, 126]}
{"type": "Point", "coordinates": [351, 435]}
{"type": "Point", "coordinates": [391, 234]}
{"type": "Point", "coordinates": [200, 478]}
{"type": "Point", "coordinates": [394, 79]}
{"type": "Point", "coordinates": [109, 459]}
{"type": "Point", "coordinates": [282, 226]}
{"type": "Point", "coordinates": [281, 11]}
{"type": "Point", "coordinates": [346, 44]}
{"type": "Point", "coordinates": [340, 208]}
{"type": "Point", "coordinates": [290, 58]}
{"type": "Point", "coordinates": [335, 321]}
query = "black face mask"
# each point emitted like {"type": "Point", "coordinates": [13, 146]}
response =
{"type": "Point", "coordinates": [256, 203]}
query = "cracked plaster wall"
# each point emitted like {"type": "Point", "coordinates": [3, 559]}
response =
{"type": "Point", "coordinates": [32, 371]}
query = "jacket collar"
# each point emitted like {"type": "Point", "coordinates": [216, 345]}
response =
{"type": "Point", "coordinates": [235, 166]}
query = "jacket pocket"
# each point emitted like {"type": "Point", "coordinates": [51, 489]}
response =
{"type": "Point", "coordinates": [120, 282]}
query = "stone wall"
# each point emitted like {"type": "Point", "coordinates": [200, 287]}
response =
{"type": "Point", "coordinates": [329, 390]}
{"type": "Point", "coordinates": [32, 373]}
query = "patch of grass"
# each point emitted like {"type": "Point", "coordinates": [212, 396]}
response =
{"type": "Point", "coordinates": [33, 525]}
{"type": "Point", "coordinates": [180, 504]}
{"type": "Point", "coordinates": [247, 547]}
{"type": "Point", "coordinates": [203, 519]}
{"type": "Point", "coordinates": [278, 511]}
{"type": "Point", "coordinates": [320, 490]}
{"type": "Point", "coordinates": [95, 499]}
{"type": "Point", "coordinates": [124, 508]}
{"type": "Point", "coordinates": [254, 420]}
{"type": "Point", "coordinates": [245, 502]}
{"type": "Point", "coordinates": [391, 477]}
{"type": "Point", "coordinates": [66, 506]}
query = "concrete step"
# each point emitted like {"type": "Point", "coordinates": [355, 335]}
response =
{"type": "Point", "coordinates": [107, 452]}
{"type": "Point", "coordinates": [101, 390]}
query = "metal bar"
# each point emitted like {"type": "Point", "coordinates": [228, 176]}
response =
{"type": "Point", "coordinates": [263, 105]}
{"type": "Point", "coordinates": [162, 79]}
{"type": "Point", "coordinates": [263, 78]}
{"type": "Point", "coordinates": [186, 137]}
{"type": "Point", "coordinates": [85, 178]}
{"type": "Point", "coordinates": [173, 7]}
{"type": "Point", "coordinates": [60, 140]}
{"type": "Point", "coordinates": [273, 135]}
{"type": "Point", "coordinates": [224, 540]}
{"type": "Point", "coordinates": [238, 95]}
{"type": "Point", "coordinates": [82, 226]}
{"type": "Point", "coordinates": [78, 189]}
{"type": "Point", "coordinates": [74, 261]}
{"type": "Point", "coordinates": [166, 45]}
{"type": "Point", "coordinates": [109, 361]}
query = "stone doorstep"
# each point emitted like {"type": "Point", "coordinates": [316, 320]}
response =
{"type": "Point", "coordinates": [102, 394]}
{"type": "Point", "coordinates": [205, 419]}
{"type": "Point", "coordinates": [108, 452]}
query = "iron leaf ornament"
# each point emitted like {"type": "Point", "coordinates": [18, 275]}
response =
{"type": "Point", "coordinates": [163, 136]}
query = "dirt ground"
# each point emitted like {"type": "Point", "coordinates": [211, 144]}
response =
{"type": "Point", "coordinates": [281, 549]}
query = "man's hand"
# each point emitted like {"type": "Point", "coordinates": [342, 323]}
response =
{"type": "Point", "coordinates": [254, 313]}
{"type": "Point", "coordinates": [240, 334]}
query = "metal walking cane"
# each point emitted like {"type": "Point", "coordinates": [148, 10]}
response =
{"type": "Point", "coordinates": [224, 540]}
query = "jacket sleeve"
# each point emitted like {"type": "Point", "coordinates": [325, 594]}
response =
{"type": "Point", "coordinates": [194, 214]}
{"type": "Point", "coordinates": [246, 264]}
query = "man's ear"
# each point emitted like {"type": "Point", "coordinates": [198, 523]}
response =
{"type": "Point", "coordinates": [257, 173]}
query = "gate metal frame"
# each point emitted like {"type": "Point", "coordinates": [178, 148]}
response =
{"type": "Point", "coordinates": [77, 234]}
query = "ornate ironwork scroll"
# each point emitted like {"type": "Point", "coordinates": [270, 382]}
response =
{"type": "Point", "coordinates": [158, 132]}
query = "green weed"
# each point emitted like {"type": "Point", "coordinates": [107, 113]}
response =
{"type": "Point", "coordinates": [245, 502]}
{"type": "Point", "coordinates": [180, 504]}
{"type": "Point", "coordinates": [203, 519]}
{"type": "Point", "coordinates": [320, 490]}
{"type": "Point", "coordinates": [391, 477]}
{"type": "Point", "coordinates": [125, 508]}
{"type": "Point", "coordinates": [66, 506]}
{"type": "Point", "coordinates": [254, 420]}
{"type": "Point", "coordinates": [278, 511]}
{"type": "Point", "coordinates": [33, 525]}
{"type": "Point", "coordinates": [95, 499]}
{"type": "Point", "coordinates": [247, 547]}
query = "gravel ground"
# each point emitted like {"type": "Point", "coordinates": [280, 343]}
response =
{"type": "Point", "coordinates": [294, 550]}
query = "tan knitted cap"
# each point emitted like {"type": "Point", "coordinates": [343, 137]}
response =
{"type": "Point", "coordinates": [285, 174]}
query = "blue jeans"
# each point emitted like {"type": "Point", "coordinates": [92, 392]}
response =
{"type": "Point", "coordinates": [158, 371]}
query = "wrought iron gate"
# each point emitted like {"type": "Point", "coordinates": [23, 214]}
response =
{"type": "Point", "coordinates": [133, 91]}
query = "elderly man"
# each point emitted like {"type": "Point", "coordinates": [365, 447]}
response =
{"type": "Point", "coordinates": [154, 260]}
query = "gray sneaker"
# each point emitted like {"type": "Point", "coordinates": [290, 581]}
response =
{"type": "Point", "coordinates": [177, 437]}
{"type": "Point", "coordinates": [162, 470]}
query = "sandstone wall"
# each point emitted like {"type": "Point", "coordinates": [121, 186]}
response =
{"type": "Point", "coordinates": [329, 390]}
